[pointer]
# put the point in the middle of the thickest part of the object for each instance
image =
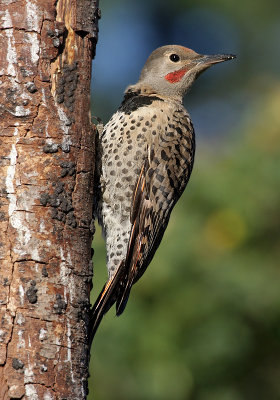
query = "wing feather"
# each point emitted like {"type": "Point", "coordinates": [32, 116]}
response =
{"type": "Point", "coordinates": [148, 225]}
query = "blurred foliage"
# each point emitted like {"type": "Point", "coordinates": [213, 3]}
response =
{"type": "Point", "coordinates": [203, 323]}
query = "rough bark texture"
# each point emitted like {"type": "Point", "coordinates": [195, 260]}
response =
{"type": "Point", "coordinates": [46, 194]}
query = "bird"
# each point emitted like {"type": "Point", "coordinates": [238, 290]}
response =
{"type": "Point", "coordinates": [145, 157]}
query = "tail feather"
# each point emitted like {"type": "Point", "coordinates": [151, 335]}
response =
{"type": "Point", "coordinates": [130, 268]}
{"type": "Point", "coordinates": [104, 302]}
{"type": "Point", "coordinates": [121, 302]}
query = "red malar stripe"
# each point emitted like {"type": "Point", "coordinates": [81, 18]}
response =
{"type": "Point", "coordinates": [175, 76]}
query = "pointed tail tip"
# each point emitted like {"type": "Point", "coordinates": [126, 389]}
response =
{"type": "Point", "coordinates": [120, 307]}
{"type": "Point", "coordinates": [122, 301]}
{"type": "Point", "coordinates": [104, 302]}
{"type": "Point", "coordinates": [95, 320]}
{"type": "Point", "coordinates": [99, 309]}
{"type": "Point", "coordinates": [120, 310]}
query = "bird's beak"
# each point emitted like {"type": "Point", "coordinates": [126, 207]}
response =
{"type": "Point", "coordinates": [207, 61]}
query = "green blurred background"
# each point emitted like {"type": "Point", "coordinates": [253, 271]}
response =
{"type": "Point", "coordinates": [204, 321]}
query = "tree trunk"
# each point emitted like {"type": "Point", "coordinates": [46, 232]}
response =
{"type": "Point", "coordinates": [46, 196]}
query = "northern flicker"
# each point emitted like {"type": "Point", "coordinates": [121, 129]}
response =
{"type": "Point", "coordinates": [144, 161]}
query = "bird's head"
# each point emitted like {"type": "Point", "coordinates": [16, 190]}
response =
{"type": "Point", "coordinates": [171, 70]}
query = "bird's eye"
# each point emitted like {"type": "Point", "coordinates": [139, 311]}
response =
{"type": "Point", "coordinates": [174, 57]}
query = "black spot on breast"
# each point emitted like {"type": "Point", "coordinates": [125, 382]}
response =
{"type": "Point", "coordinates": [164, 155]}
{"type": "Point", "coordinates": [152, 154]}
{"type": "Point", "coordinates": [133, 101]}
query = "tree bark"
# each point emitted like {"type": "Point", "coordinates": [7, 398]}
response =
{"type": "Point", "coordinates": [46, 196]}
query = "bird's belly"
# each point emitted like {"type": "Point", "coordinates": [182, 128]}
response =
{"type": "Point", "coordinates": [121, 165]}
